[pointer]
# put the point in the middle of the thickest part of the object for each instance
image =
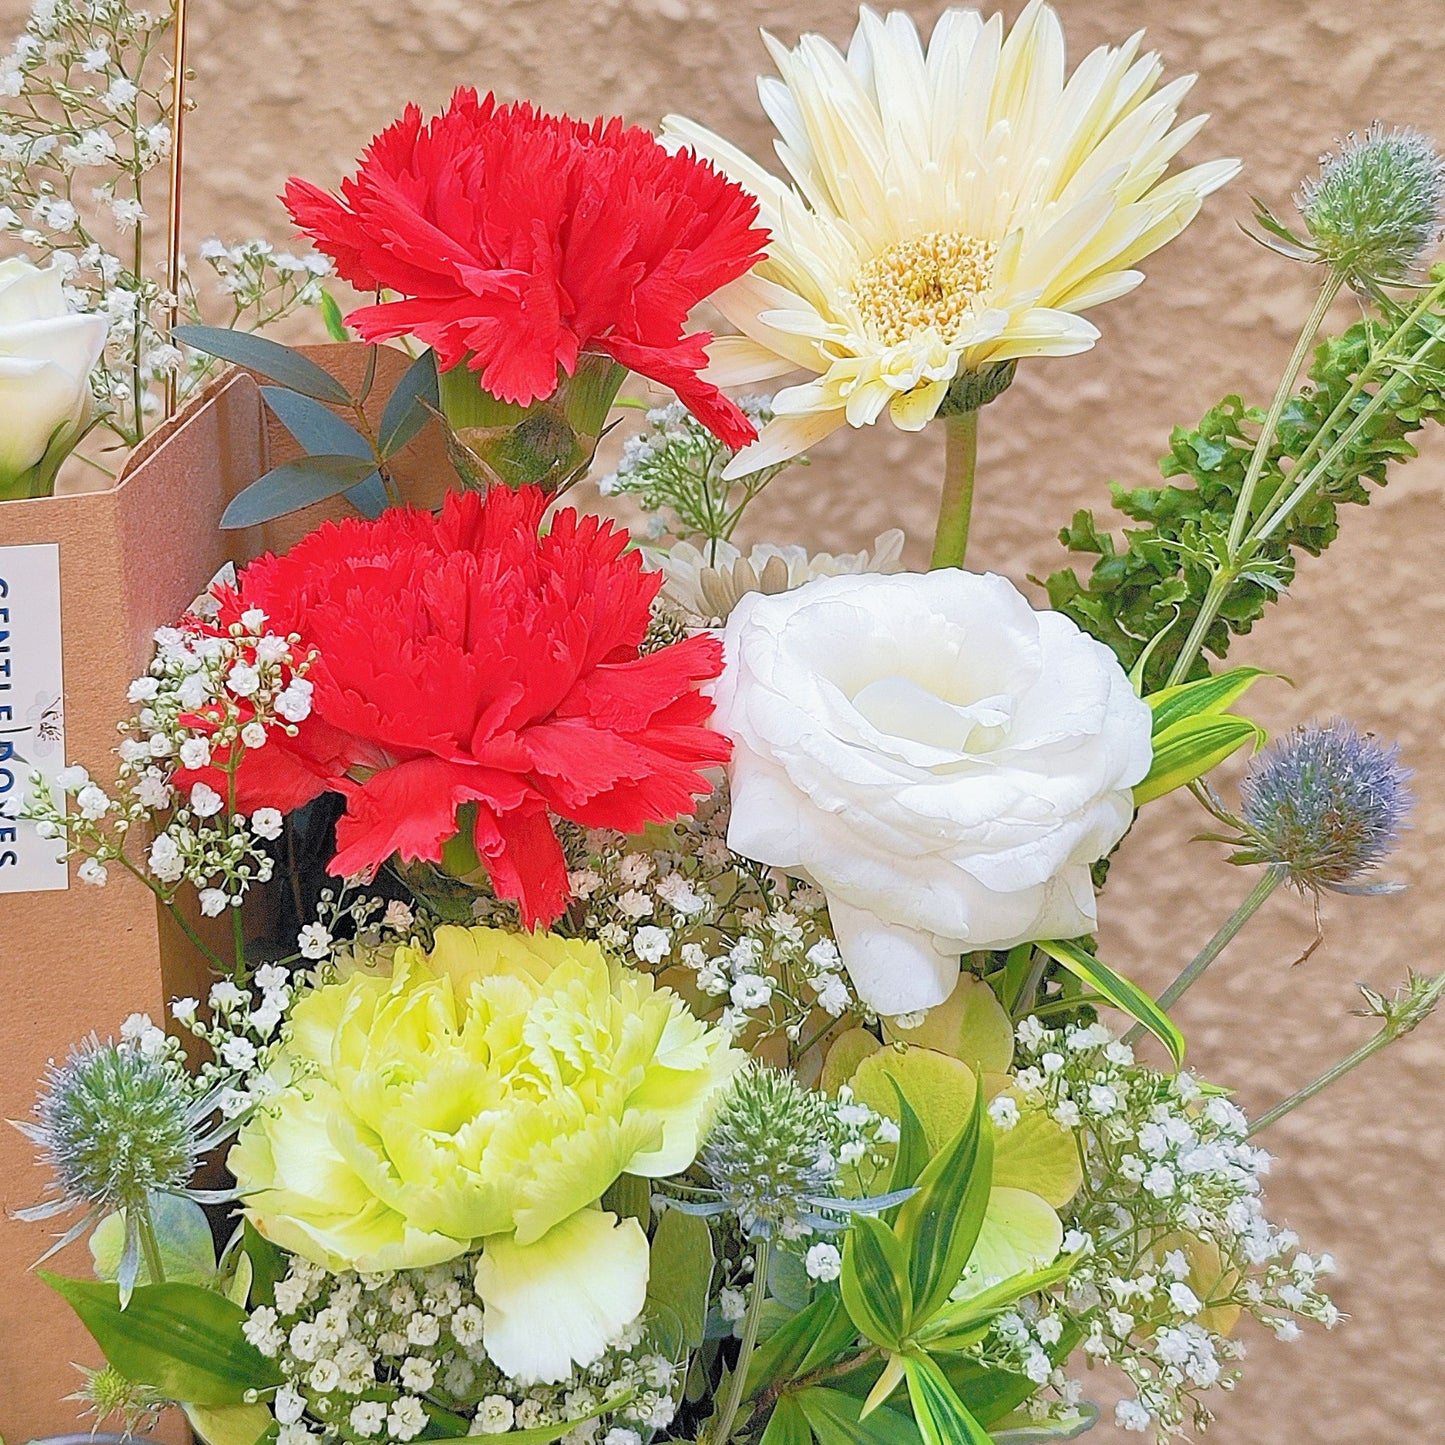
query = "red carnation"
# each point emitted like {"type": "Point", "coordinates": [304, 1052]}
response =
{"type": "Point", "coordinates": [467, 659]}
{"type": "Point", "coordinates": [519, 240]}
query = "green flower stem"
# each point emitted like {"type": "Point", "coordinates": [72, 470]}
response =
{"type": "Point", "coordinates": [149, 1244]}
{"type": "Point", "coordinates": [1309, 472]}
{"type": "Point", "coordinates": [950, 542]}
{"type": "Point", "coordinates": [1283, 392]}
{"type": "Point", "coordinates": [1332, 1075]}
{"type": "Point", "coordinates": [1229, 930]}
{"type": "Point", "coordinates": [722, 1432]}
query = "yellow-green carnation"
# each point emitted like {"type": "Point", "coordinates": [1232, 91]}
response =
{"type": "Point", "coordinates": [485, 1094]}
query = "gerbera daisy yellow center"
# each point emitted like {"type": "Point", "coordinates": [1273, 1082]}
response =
{"type": "Point", "coordinates": [930, 281]}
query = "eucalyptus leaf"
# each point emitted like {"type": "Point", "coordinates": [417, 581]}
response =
{"type": "Point", "coordinates": [270, 359]}
{"type": "Point", "coordinates": [405, 414]}
{"type": "Point", "coordinates": [294, 485]}
{"type": "Point", "coordinates": [317, 429]}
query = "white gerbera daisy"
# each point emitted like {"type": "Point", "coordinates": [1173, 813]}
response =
{"type": "Point", "coordinates": [953, 210]}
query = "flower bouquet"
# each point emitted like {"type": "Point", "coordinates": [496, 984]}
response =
{"type": "Point", "coordinates": [676, 1013]}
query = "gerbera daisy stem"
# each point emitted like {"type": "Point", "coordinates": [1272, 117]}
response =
{"type": "Point", "coordinates": [950, 541]}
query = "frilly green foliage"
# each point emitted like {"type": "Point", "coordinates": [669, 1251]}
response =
{"type": "Point", "coordinates": [1164, 567]}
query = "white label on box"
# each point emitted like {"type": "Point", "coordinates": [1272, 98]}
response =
{"type": "Point", "coordinates": [32, 718]}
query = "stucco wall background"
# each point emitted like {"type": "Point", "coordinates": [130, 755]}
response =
{"type": "Point", "coordinates": [302, 84]}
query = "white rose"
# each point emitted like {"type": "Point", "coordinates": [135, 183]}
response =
{"type": "Point", "coordinates": [941, 760]}
{"type": "Point", "coordinates": [47, 352]}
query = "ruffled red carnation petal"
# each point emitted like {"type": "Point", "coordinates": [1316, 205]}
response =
{"type": "Point", "coordinates": [517, 241]}
{"type": "Point", "coordinates": [465, 658]}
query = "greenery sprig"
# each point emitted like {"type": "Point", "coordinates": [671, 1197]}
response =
{"type": "Point", "coordinates": [1180, 562]}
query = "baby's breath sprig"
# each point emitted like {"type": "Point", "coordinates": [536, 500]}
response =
{"type": "Point", "coordinates": [1170, 1231]}
{"type": "Point", "coordinates": [85, 128]}
{"type": "Point", "coordinates": [211, 695]}
{"type": "Point", "coordinates": [750, 948]}
{"type": "Point", "coordinates": [674, 468]}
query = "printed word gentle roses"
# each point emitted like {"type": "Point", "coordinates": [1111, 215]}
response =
{"type": "Point", "coordinates": [942, 760]}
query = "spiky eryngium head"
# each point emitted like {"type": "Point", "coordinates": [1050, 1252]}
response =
{"type": "Point", "coordinates": [1374, 210]}
{"type": "Point", "coordinates": [115, 1124]}
{"type": "Point", "coordinates": [107, 1395]}
{"type": "Point", "coordinates": [1326, 804]}
{"type": "Point", "coordinates": [772, 1150]}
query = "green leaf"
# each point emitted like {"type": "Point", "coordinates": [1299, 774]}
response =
{"type": "Point", "coordinates": [939, 1225]}
{"type": "Point", "coordinates": [942, 1417]}
{"type": "Point", "coordinates": [180, 1339]}
{"type": "Point", "coordinates": [681, 1272]}
{"type": "Point", "coordinates": [797, 1345]}
{"type": "Point", "coordinates": [336, 327]}
{"type": "Point", "coordinates": [837, 1419]}
{"type": "Point", "coordinates": [405, 415]}
{"type": "Point", "coordinates": [787, 1425]}
{"type": "Point", "coordinates": [1088, 1417]}
{"type": "Point", "coordinates": [1124, 995]}
{"type": "Point", "coordinates": [320, 432]}
{"type": "Point", "coordinates": [1191, 747]}
{"type": "Point", "coordinates": [268, 358]}
{"type": "Point", "coordinates": [1208, 695]}
{"type": "Point", "coordinates": [294, 485]}
{"type": "Point", "coordinates": [188, 1254]}
{"type": "Point", "coordinates": [269, 1264]}
{"type": "Point", "coordinates": [963, 1316]}
{"type": "Point", "coordinates": [875, 1282]}
{"type": "Point", "coordinates": [229, 1424]}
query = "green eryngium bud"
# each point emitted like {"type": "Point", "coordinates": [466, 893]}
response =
{"type": "Point", "coordinates": [1374, 210]}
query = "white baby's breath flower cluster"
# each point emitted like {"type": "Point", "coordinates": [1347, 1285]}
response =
{"type": "Point", "coordinates": [85, 125]}
{"type": "Point", "coordinates": [210, 695]}
{"type": "Point", "coordinates": [756, 943]}
{"type": "Point", "coordinates": [1170, 1228]}
{"type": "Point", "coordinates": [380, 1357]}
{"type": "Point", "coordinates": [673, 468]}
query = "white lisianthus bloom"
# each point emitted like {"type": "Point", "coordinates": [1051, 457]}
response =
{"type": "Point", "coordinates": [706, 582]}
{"type": "Point", "coordinates": [47, 352]}
{"type": "Point", "coordinates": [954, 209]}
{"type": "Point", "coordinates": [943, 761]}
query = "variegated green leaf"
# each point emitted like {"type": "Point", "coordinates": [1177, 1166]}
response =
{"type": "Point", "coordinates": [942, 1418]}
{"type": "Point", "coordinates": [1191, 747]}
{"type": "Point", "coordinates": [939, 1225]}
{"type": "Point", "coordinates": [1128, 997]}
{"type": "Point", "coordinates": [874, 1283]}
{"type": "Point", "coordinates": [1206, 696]}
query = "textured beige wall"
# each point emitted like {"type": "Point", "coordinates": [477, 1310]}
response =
{"type": "Point", "coordinates": [301, 84]}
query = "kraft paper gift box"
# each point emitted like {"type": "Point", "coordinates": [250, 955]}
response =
{"type": "Point", "coordinates": [76, 959]}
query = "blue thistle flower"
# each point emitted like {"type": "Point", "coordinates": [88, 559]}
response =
{"type": "Point", "coordinates": [1326, 804]}
{"type": "Point", "coordinates": [1374, 209]}
{"type": "Point", "coordinates": [117, 1125]}
{"type": "Point", "coordinates": [772, 1152]}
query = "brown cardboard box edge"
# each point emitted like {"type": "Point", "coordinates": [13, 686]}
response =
{"type": "Point", "coordinates": [79, 961]}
